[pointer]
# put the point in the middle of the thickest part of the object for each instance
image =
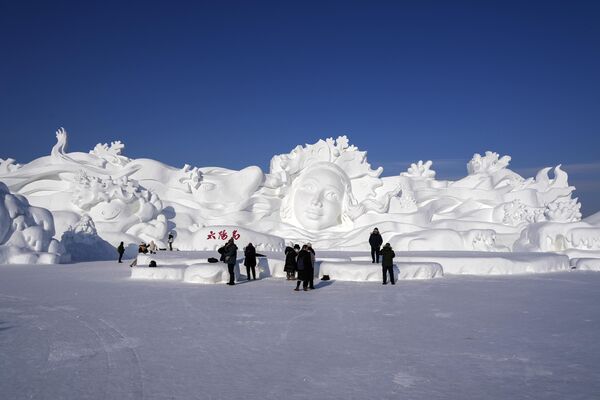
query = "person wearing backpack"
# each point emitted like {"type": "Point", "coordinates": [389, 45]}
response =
{"type": "Point", "coordinates": [387, 263]}
{"type": "Point", "coordinates": [250, 261]}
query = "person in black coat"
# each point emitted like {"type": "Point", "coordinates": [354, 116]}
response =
{"type": "Point", "coordinates": [387, 263]}
{"type": "Point", "coordinates": [121, 251]}
{"type": "Point", "coordinates": [375, 240]}
{"type": "Point", "coordinates": [304, 267]}
{"type": "Point", "coordinates": [290, 261]}
{"type": "Point", "coordinates": [250, 261]}
{"type": "Point", "coordinates": [230, 257]}
{"type": "Point", "coordinates": [311, 277]}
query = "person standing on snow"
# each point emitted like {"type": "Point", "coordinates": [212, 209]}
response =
{"type": "Point", "coordinates": [121, 251]}
{"type": "Point", "coordinates": [230, 257]}
{"type": "Point", "coordinates": [170, 240]}
{"type": "Point", "coordinates": [375, 240]}
{"type": "Point", "coordinates": [313, 258]}
{"type": "Point", "coordinates": [387, 263]}
{"type": "Point", "coordinates": [304, 268]}
{"type": "Point", "coordinates": [290, 261]}
{"type": "Point", "coordinates": [250, 261]}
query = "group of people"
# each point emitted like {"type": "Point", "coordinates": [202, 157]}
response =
{"type": "Point", "coordinates": [299, 261]}
{"type": "Point", "coordinates": [229, 256]}
{"type": "Point", "coordinates": [143, 248]}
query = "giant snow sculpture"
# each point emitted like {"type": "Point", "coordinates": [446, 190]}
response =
{"type": "Point", "coordinates": [326, 193]}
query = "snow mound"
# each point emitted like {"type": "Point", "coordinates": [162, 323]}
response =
{"type": "Point", "coordinates": [363, 271]}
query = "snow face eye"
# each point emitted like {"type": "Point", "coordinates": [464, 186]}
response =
{"type": "Point", "coordinates": [331, 195]}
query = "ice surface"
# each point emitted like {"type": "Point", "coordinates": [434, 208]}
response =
{"type": "Point", "coordinates": [86, 331]}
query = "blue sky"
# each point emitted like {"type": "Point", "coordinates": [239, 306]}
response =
{"type": "Point", "coordinates": [231, 84]}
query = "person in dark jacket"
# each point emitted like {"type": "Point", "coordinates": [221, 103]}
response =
{"type": "Point", "coordinates": [250, 261]}
{"type": "Point", "coordinates": [387, 263]}
{"type": "Point", "coordinates": [121, 251]}
{"type": "Point", "coordinates": [290, 261]}
{"type": "Point", "coordinates": [230, 257]}
{"type": "Point", "coordinates": [170, 241]}
{"type": "Point", "coordinates": [375, 240]}
{"type": "Point", "coordinates": [304, 266]}
{"type": "Point", "coordinates": [311, 277]}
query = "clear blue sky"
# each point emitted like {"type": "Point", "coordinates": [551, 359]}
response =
{"type": "Point", "coordinates": [230, 84]}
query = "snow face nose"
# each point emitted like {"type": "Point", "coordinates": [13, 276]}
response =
{"type": "Point", "coordinates": [317, 199]}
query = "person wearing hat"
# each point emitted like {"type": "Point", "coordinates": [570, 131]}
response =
{"type": "Point", "coordinates": [375, 240]}
{"type": "Point", "coordinates": [387, 263]}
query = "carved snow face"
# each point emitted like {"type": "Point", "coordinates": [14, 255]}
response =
{"type": "Point", "coordinates": [318, 199]}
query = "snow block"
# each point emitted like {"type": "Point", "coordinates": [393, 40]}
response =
{"type": "Point", "coordinates": [171, 273]}
{"type": "Point", "coordinates": [207, 273]}
{"type": "Point", "coordinates": [419, 270]}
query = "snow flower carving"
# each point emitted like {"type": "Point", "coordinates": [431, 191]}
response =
{"type": "Point", "coordinates": [420, 170]}
{"type": "Point", "coordinates": [563, 210]}
{"type": "Point", "coordinates": [111, 154]}
{"type": "Point", "coordinates": [7, 166]}
{"type": "Point", "coordinates": [487, 164]}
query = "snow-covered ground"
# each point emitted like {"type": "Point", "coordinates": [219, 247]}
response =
{"type": "Point", "coordinates": [89, 331]}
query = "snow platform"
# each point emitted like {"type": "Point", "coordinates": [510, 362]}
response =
{"type": "Point", "coordinates": [363, 271]}
{"type": "Point", "coordinates": [193, 267]}
{"type": "Point", "coordinates": [586, 264]}
{"type": "Point", "coordinates": [485, 263]}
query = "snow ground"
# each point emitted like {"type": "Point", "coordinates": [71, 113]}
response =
{"type": "Point", "coordinates": [88, 331]}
